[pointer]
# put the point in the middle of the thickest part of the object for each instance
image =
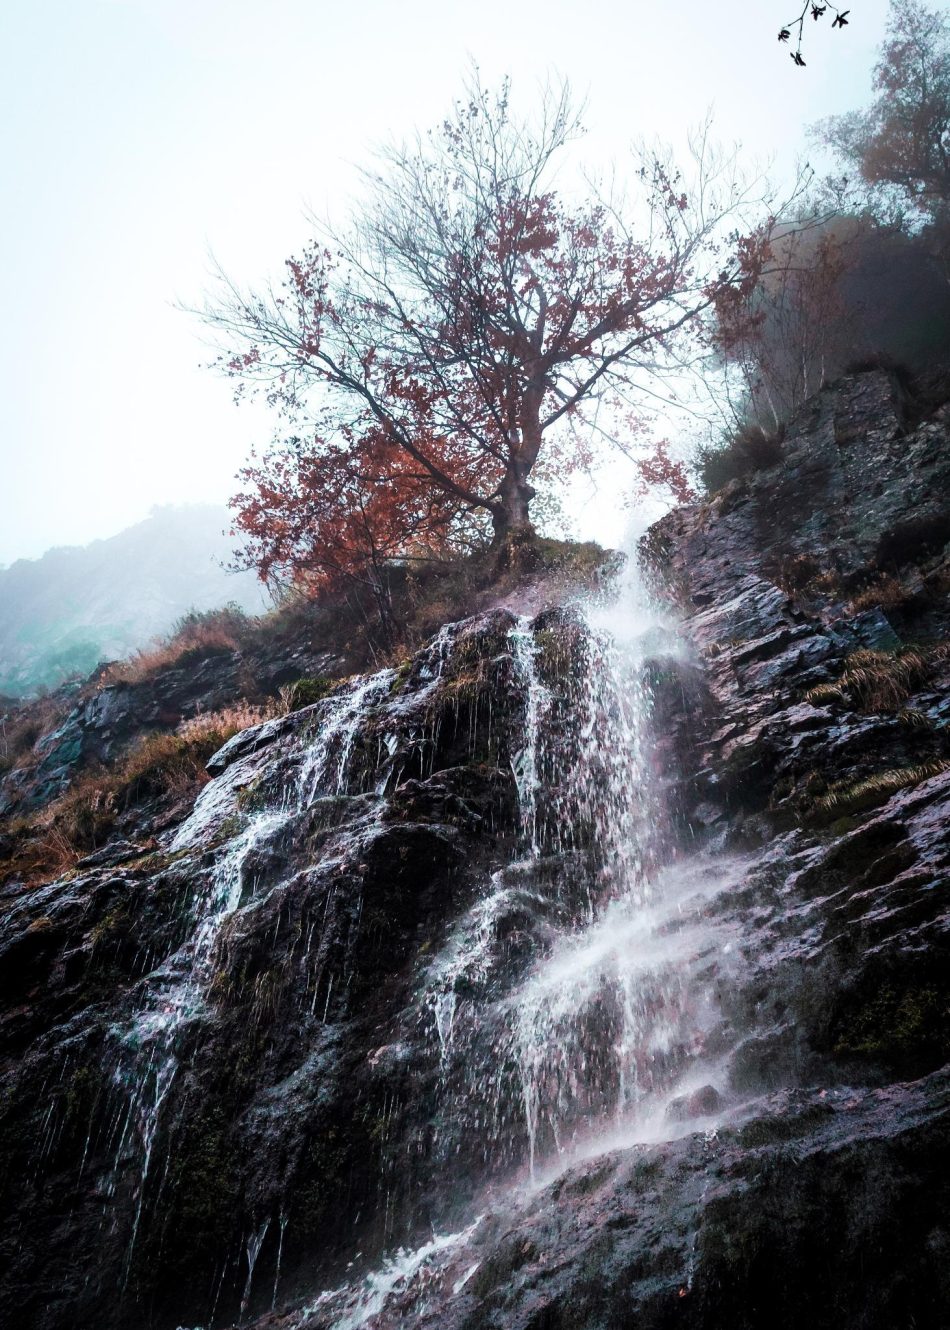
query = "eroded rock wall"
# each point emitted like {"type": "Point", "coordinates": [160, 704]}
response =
{"type": "Point", "coordinates": [247, 1058]}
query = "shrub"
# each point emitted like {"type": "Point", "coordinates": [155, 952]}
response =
{"type": "Point", "coordinates": [748, 450]}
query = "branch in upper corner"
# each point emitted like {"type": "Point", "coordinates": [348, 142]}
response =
{"type": "Point", "coordinates": [817, 11]}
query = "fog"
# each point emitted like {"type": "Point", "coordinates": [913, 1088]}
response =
{"type": "Point", "coordinates": [139, 136]}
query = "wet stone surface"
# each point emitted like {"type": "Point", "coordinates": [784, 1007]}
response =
{"type": "Point", "coordinates": [590, 971]}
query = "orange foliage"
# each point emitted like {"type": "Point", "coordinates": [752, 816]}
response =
{"type": "Point", "coordinates": [902, 140]}
{"type": "Point", "coordinates": [455, 344]}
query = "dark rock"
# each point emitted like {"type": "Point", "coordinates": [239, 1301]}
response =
{"type": "Point", "coordinates": [244, 1059]}
{"type": "Point", "coordinates": [700, 1104]}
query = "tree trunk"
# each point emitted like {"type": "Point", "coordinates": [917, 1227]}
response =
{"type": "Point", "coordinates": [511, 516]}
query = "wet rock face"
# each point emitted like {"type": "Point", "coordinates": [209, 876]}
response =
{"type": "Point", "coordinates": [817, 736]}
{"type": "Point", "coordinates": [855, 494]}
{"type": "Point", "coordinates": [540, 983]}
{"type": "Point", "coordinates": [749, 1227]}
{"type": "Point", "coordinates": [260, 1061]}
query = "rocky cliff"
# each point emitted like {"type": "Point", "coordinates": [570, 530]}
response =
{"type": "Point", "coordinates": [588, 970]}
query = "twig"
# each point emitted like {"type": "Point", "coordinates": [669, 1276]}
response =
{"type": "Point", "coordinates": [817, 9]}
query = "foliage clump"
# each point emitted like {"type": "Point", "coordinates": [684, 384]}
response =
{"type": "Point", "coordinates": [881, 680]}
{"type": "Point", "coordinates": [748, 449]}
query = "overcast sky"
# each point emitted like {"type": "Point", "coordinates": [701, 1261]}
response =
{"type": "Point", "coordinates": [140, 134]}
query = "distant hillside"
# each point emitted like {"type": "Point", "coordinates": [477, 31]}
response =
{"type": "Point", "coordinates": [63, 613]}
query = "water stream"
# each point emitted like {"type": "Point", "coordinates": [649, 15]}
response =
{"type": "Point", "coordinates": [570, 1001]}
{"type": "Point", "coordinates": [173, 996]}
{"type": "Point", "coordinates": [576, 1039]}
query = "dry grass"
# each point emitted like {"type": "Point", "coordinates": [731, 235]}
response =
{"type": "Point", "coordinates": [853, 796]}
{"type": "Point", "coordinates": [886, 593]}
{"type": "Point", "coordinates": [227, 721]}
{"type": "Point", "coordinates": [881, 680]}
{"type": "Point", "coordinates": [169, 768]}
{"type": "Point", "coordinates": [195, 635]}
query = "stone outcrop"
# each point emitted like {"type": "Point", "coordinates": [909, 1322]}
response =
{"type": "Point", "coordinates": [325, 1054]}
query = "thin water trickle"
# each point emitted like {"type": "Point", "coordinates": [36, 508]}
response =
{"type": "Point", "coordinates": [525, 763]}
{"type": "Point", "coordinates": [252, 1251]}
{"type": "Point", "coordinates": [325, 768]}
{"type": "Point", "coordinates": [280, 1253]}
{"type": "Point", "coordinates": [174, 995]}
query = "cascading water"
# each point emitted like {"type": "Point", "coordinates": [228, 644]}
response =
{"type": "Point", "coordinates": [569, 998]}
{"type": "Point", "coordinates": [569, 1042]}
{"type": "Point", "coordinates": [174, 995]}
{"type": "Point", "coordinates": [574, 1040]}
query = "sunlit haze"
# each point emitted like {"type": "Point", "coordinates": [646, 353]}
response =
{"type": "Point", "coordinates": [142, 135]}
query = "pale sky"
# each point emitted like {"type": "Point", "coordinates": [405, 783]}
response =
{"type": "Point", "coordinates": [138, 135]}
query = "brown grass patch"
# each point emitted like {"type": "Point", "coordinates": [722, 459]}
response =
{"type": "Point", "coordinates": [854, 796]}
{"type": "Point", "coordinates": [169, 768]}
{"type": "Point", "coordinates": [881, 680]}
{"type": "Point", "coordinates": [195, 635]}
{"type": "Point", "coordinates": [886, 593]}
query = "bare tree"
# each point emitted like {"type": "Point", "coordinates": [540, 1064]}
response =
{"type": "Point", "coordinates": [459, 338]}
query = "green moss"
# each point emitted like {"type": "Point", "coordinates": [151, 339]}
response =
{"type": "Point", "coordinates": [160, 860]}
{"type": "Point", "coordinates": [326, 1163]}
{"type": "Point", "coordinates": [84, 1086]}
{"type": "Point", "coordinates": [234, 823]}
{"type": "Point", "coordinates": [842, 826]}
{"type": "Point", "coordinates": [581, 560]}
{"type": "Point", "coordinates": [202, 1196]}
{"type": "Point", "coordinates": [554, 654]}
{"type": "Point", "coordinates": [307, 691]}
{"type": "Point", "coordinates": [898, 1025]}
{"type": "Point", "coordinates": [463, 688]}
{"type": "Point", "coordinates": [403, 671]}
{"type": "Point", "coordinates": [112, 927]}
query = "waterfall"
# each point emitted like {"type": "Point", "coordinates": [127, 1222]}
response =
{"type": "Point", "coordinates": [574, 1037]}
{"type": "Point", "coordinates": [606, 1010]}
{"type": "Point", "coordinates": [566, 1003]}
{"type": "Point", "coordinates": [174, 995]}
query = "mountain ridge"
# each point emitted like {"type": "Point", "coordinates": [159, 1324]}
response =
{"type": "Point", "coordinates": [63, 613]}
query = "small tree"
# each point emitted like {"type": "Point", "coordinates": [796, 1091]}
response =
{"type": "Point", "coordinates": [901, 142]}
{"type": "Point", "coordinates": [787, 328]}
{"type": "Point", "coordinates": [460, 337]}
